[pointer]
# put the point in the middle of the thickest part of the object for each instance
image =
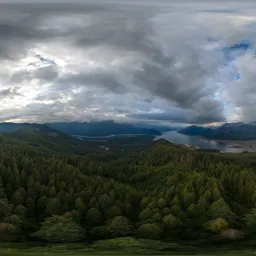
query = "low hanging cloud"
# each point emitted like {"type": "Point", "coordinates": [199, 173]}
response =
{"type": "Point", "coordinates": [164, 62]}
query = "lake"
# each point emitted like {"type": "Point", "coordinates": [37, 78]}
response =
{"type": "Point", "coordinates": [177, 138]}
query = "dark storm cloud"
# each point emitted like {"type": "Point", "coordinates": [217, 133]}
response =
{"type": "Point", "coordinates": [20, 24]}
{"type": "Point", "coordinates": [158, 74]}
{"type": "Point", "coordinates": [157, 61]}
{"type": "Point", "coordinates": [207, 111]}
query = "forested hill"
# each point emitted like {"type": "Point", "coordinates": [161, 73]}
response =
{"type": "Point", "coordinates": [161, 192]}
{"type": "Point", "coordinates": [53, 141]}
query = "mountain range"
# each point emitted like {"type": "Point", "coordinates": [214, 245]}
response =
{"type": "Point", "coordinates": [227, 131]}
{"type": "Point", "coordinates": [104, 128]}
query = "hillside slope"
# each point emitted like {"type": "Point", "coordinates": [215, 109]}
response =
{"type": "Point", "coordinates": [50, 140]}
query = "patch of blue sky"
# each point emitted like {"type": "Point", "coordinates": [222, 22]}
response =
{"type": "Point", "coordinates": [232, 52]}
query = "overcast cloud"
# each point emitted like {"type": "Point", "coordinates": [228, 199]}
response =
{"type": "Point", "coordinates": [132, 62]}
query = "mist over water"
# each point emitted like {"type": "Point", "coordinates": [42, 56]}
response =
{"type": "Point", "coordinates": [177, 138]}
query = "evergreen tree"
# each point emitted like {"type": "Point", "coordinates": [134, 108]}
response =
{"type": "Point", "coordinates": [60, 229]}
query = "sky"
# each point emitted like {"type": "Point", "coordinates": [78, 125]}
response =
{"type": "Point", "coordinates": [168, 62]}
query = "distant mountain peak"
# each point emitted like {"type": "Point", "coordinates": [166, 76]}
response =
{"type": "Point", "coordinates": [227, 131]}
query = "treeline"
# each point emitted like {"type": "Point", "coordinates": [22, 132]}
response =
{"type": "Point", "coordinates": [163, 192]}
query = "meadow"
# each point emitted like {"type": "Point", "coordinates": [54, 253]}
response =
{"type": "Point", "coordinates": [66, 250]}
{"type": "Point", "coordinates": [119, 246]}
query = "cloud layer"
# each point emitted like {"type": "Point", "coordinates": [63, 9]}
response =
{"type": "Point", "coordinates": [132, 62]}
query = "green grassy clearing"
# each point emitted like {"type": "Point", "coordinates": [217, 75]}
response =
{"type": "Point", "coordinates": [85, 250]}
{"type": "Point", "coordinates": [50, 252]}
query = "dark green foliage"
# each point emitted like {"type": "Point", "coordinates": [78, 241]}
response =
{"type": "Point", "coordinates": [8, 232]}
{"type": "Point", "coordinates": [171, 221]}
{"type": "Point", "coordinates": [60, 229]}
{"type": "Point", "coordinates": [5, 209]}
{"type": "Point", "coordinates": [93, 217]}
{"type": "Point", "coordinates": [133, 245]}
{"type": "Point", "coordinates": [220, 209]}
{"type": "Point", "coordinates": [10, 224]}
{"type": "Point", "coordinates": [112, 212]}
{"type": "Point", "coordinates": [250, 220]}
{"type": "Point", "coordinates": [119, 226]}
{"type": "Point", "coordinates": [149, 231]}
{"type": "Point", "coordinates": [161, 192]}
{"type": "Point", "coordinates": [99, 232]}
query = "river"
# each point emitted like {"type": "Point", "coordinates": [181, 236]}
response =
{"type": "Point", "coordinates": [177, 138]}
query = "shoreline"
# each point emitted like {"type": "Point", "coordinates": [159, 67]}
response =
{"type": "Point", "coordinates": [247, 144]}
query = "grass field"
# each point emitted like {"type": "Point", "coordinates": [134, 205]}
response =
{"type": "Point", "coordinates": [80, 250]}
